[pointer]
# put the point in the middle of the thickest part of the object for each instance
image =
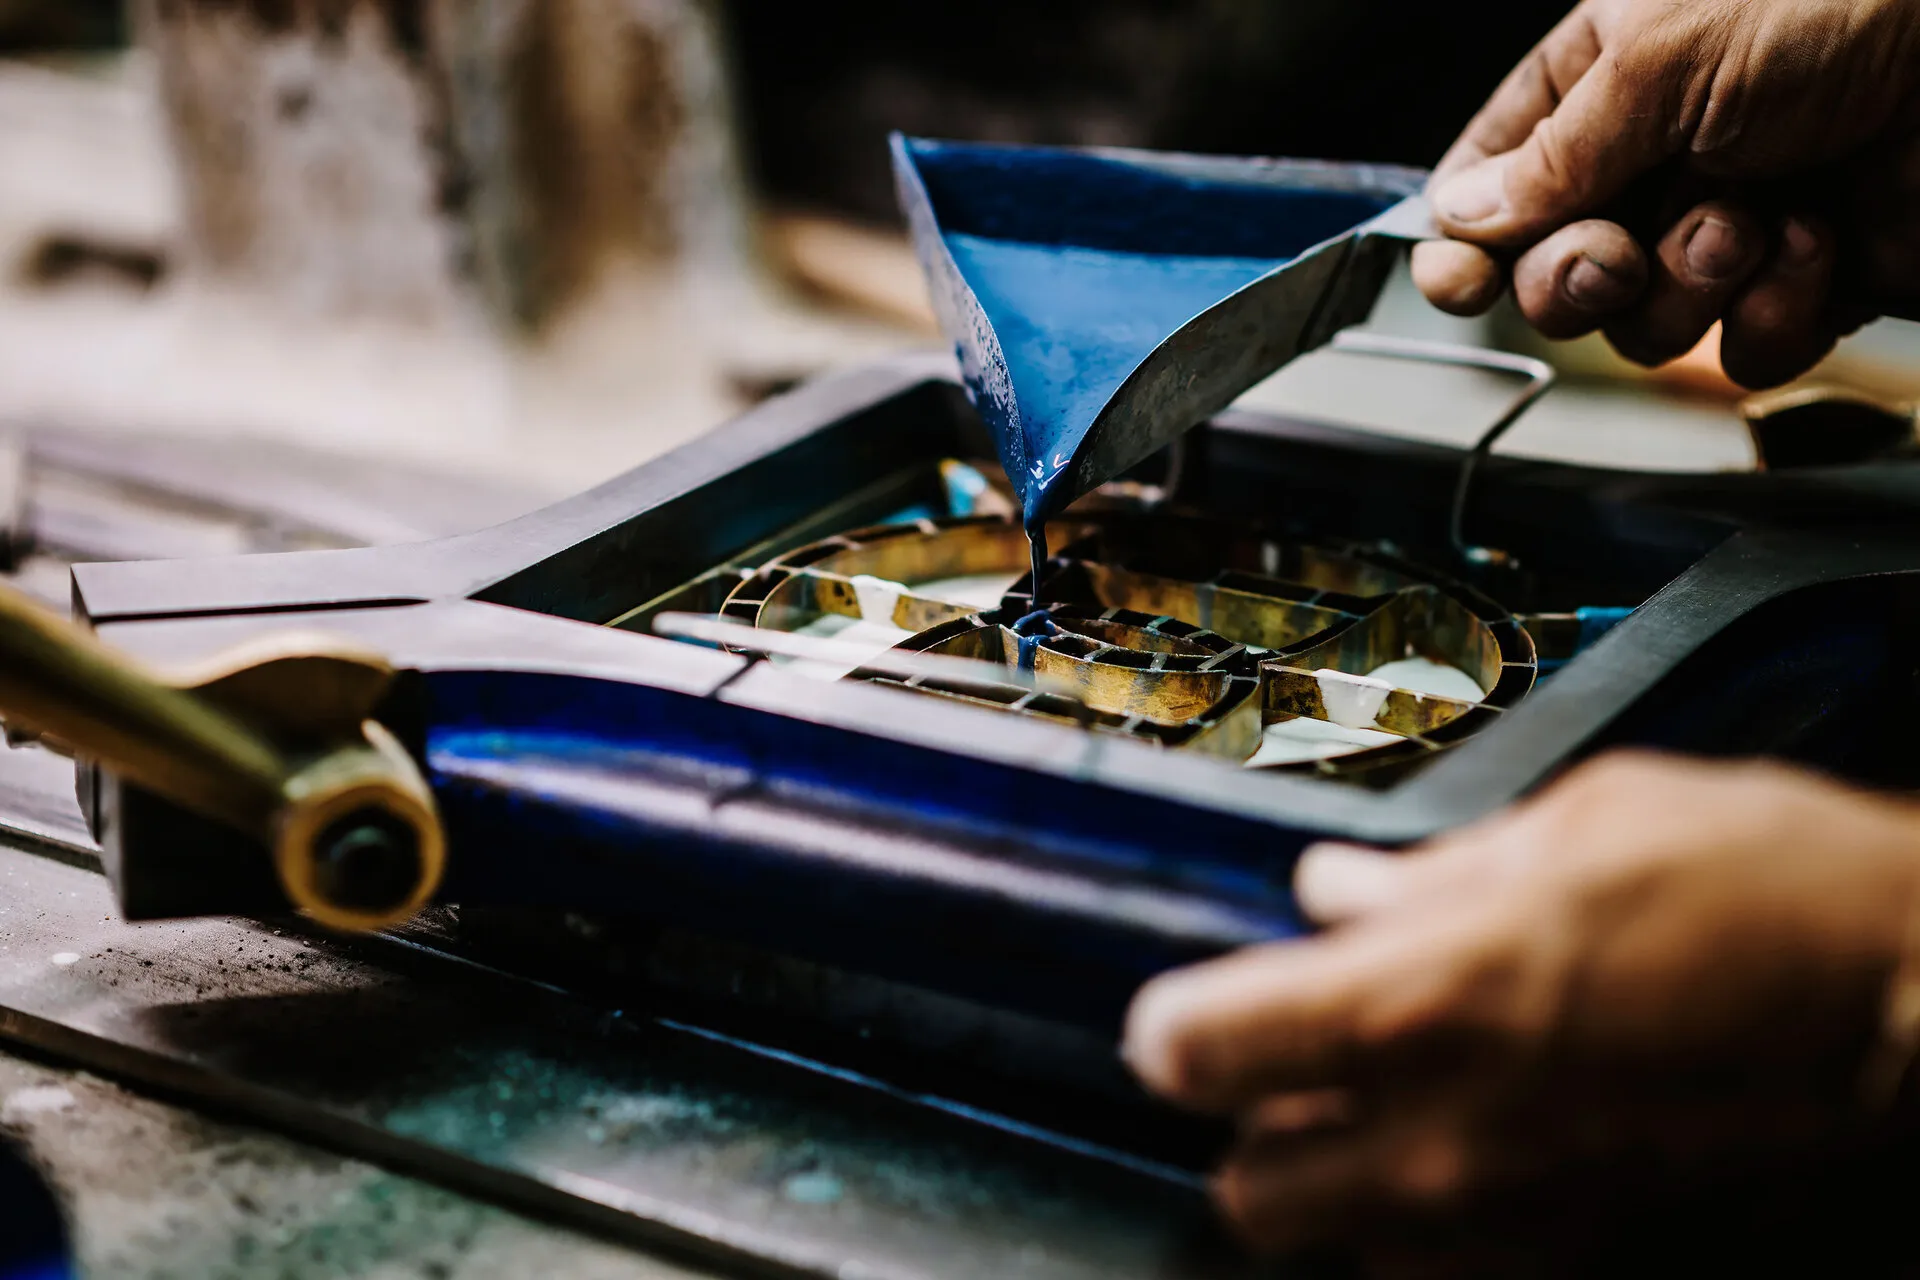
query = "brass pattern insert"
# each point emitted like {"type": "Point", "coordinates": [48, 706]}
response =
{"type": "Point", "coordinates": [1172, 630]}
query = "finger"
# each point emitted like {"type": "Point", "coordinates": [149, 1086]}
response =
{"type": "Point", "coordinates": [1335, 883]}
{"type": "Point", "coordinates": [1578, 278]}
{"type": "Point", "coordinates": [1612, 127]}
{"type": "Point", "coordinates": [1701, 265]}
{"type": "Point", "coordinates": [1298, 1193]}
{"type": "Point", "coordinates": [1291, 1193]}
{"type": "Point", "coordinates": [1528, 95]}
{"type": "Point", "coordinates": [1780, 326]}
{"type": "Point", "coordinates": [1331, 1012]}
{"type": "Point", "coordinates": [1341, 883]}
{"type": "Point", "coordinates": [1459, 278]}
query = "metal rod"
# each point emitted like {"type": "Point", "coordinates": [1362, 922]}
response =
{"type": "Point", "coordinates": [348, 822]}
{"type": "Point", "coordinates": [905, 664]}
{"type": "Point", "coordinates": [1540, 376]}
{"type": "Point", "coordinates": [58, 680]}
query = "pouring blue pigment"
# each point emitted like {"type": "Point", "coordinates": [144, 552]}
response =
{"type": "Point", "coordinates": [1032, 630]}
{"type": "Point", "coordinates": [1103, 302]}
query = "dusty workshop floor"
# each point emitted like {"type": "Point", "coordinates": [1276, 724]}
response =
{"type": "Point", "coordinates": [156, 1191]}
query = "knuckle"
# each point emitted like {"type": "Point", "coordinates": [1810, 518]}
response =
{"type": "Point", "coordinates": [1627, 798]}
{"type": "Point", "coordinates": [1604, 782]}
{"type": "Point", "coordinates": [1465, 1006]}
{"type": "Point", "coordinates": [1553, 179]}
{"type": "Point", "coordinates": [1540, 77]}
{"type": "Point", "coordinates": [1433, 1175]}
{"type": "Point", "coordinates": [1663, 64]}
{"type": "Point", "coordinates": [1411, 1017]}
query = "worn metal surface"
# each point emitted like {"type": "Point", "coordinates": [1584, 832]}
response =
{"type": "Point", "coordinates": [91, 496]}
{"type": "Point", "coordinates": [619, 1124]}
{"type": "Point", "coordinates": [152, 1191]}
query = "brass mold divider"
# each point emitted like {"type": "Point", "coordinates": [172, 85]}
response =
{"type": "Point", "coordinates": [818, 579]}
{"type": "Point", "coordinates": [1194, 660]}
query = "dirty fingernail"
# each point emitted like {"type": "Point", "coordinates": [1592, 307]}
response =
{"type": "Point", "coordinates": [1592, 287]}
{"type": "Point", "coordinates": [1716, 249]}
{"type": "Point", "coordinates": [1799, 244]}
{"type": "Point", "coordinates": [1476, 196]}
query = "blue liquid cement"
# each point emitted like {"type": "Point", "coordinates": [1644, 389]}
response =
{"type": "Point", "coordinates": [1030, 631]}
{"type": "Point", "coordinates": [1037, 553]}
{"type": "Point", "coordinates": [1073, 323]}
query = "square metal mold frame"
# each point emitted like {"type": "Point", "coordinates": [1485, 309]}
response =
{"type": "Point", "coordinates": [580, 766]}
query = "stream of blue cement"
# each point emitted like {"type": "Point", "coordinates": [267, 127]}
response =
{"type": "Point", "coordinates": [1031, 631]}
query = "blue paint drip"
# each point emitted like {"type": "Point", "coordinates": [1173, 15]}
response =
{"type": "Point", "coordinates": [1037, 554]}
{"type": "Point", "coordinates": [1031, 631]}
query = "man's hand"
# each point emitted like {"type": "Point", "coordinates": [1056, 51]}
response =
{"type": "Point", "coordinates": [1657, 166]}
{"type": "Point", "coordinates": [1655, 965]}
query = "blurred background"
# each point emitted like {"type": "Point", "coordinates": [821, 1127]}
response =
{"type": "Point", "coordinates": [542, 240]}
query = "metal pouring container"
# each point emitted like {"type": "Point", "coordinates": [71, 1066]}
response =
{"type": "Point", "coordinates": [1319, 241]}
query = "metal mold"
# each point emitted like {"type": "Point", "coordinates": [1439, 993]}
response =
{"type": "Point", "coordinates": [663, 779]}
{"type": "Point", "coordinates": [1167, 628]}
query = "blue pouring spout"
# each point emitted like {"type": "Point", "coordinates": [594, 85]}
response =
{"type": "Point", "coordinates": [1102, 301]}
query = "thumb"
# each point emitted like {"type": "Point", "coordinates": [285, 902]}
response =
{"type": "Point", "coordinates": [1616, 124]}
